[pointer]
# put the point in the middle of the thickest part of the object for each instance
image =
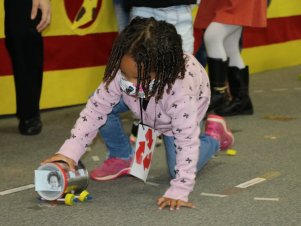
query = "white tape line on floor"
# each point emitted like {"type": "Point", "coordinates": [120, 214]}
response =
{"type": "Point", "coordinates": [251, 182]}
{"type": "Point", "coordinates": [213, 195]}
{"type": "Point", "coordinates": [13, 190]}
{"type": "Point", "coordinates": [266, 199]}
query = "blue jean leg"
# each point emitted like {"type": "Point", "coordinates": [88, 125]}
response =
{"type": "Point", "coordinates": [116, 140]}
{"type": "Point", "coordinates": [123, 17]}
{"type": "Point", "coordinates": [209, 147]}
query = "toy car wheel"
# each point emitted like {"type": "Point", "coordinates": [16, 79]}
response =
{"type": "Point", "coordinates": [69, 199]}
{"type": "Point", "coordinates": [83, 196]}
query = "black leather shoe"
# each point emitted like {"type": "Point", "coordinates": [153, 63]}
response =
{"type": "Point", "coordinates": [31, 126]}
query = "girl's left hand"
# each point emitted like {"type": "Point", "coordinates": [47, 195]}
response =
{"type": "Point", "coordinates": [173, 203]}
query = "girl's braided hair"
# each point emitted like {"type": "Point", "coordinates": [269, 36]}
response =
{"type": "Point", "coordinates": [156, 47]}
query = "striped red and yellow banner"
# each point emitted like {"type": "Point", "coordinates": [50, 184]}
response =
{"type": "Point", "coordinates": [76, 52]}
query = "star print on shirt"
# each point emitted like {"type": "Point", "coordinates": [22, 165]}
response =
{"type": "Point", "coordinates": [179, 130]}
{"type": "Point", "coordinates": [179, 148]}
{"type": "Point", "coordinates": [73, 136]}
{"type": "Point", "coordinates": [192, 75]}
{"type": "Point", "coordinates": [174, 106]}
{"type": "Point", "coordinates": [200, 95]}
{"type": "Point", "coordinates": [95, 104]}
{"type": "Point", "coordinates": [84, 118]}
{"type": "Point", "coordinates": [186, 115]}
{"type": "Point", "coordinates": [100, 118]}
{"type": "Point", "coordinates": [177, 171]}
{"type": "Point", "coordinates": [159, 115]}
{"type": "Point", "coordinates": [112, 104]}
{"type": "Point", "coordinates": [87, 134]}
{"type": "Point", "coordinates": [188, 160]}
{"type": "Point", "coordinates": [183, 181]}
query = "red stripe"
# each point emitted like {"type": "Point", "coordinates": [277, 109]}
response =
{"type": "Point", "coordinates": [68, 52]}
{"type": "Point", "coordinates": [5, 63]}
{"type": "Point", "coordinates": [278, 30]}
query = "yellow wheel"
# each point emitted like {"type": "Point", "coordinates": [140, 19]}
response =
{"type": "Point", "coordinates": [231, 152]}
{"type": "Point", "coordinates": [69, 199]}
{"type": "Point", "coordinates": [83, 196]}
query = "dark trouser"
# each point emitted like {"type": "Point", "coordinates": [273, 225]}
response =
{"type": "Point", "coordinates": [25, 47]}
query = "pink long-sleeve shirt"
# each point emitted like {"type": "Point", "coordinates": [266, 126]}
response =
{"type": "Point", "coordinates": [177, 114]}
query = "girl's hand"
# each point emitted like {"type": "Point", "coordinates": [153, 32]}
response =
{"type": "Point", "coordinates": [59, 157]}
{"type": "Point", "coordinates": [173, 203]}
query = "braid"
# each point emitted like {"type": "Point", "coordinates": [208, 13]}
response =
{"type": "Point", "coordinates": [156, 47]}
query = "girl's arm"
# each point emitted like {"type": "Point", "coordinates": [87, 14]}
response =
{"type": "Point", "coordinates": [93, 116]}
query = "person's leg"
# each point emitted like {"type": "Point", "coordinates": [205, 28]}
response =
{"type": "Point", "coordinates": [217, 63]}
{"type": "Point", "coordinates": [201, 55]}
{"type": "Point", "coordinates": [115, 139]}
{"type": "Point", "coordinates": [117, 142]}
{"type": "Point", "coordinates": [232, 48]}
{"type": "Point", "coordinates": [121, 14]}
{"type": "Point", "coordinates": [145, 12]}
{"type": "Point", "coordinates": [25, 46]}
{"type": "Point", "coordinates": [180, 16]}
{"type": "Point", "coordinates": [238, 78]}
{"type": "Point", "coordinates": [216, 137]}
{"type": "Point", "coordinates": [214, 38]}
{"type": "Point", "coordinates": [209, 147]}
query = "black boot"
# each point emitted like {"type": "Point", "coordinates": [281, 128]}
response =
{"type": "Point", "coordinates": [239, 87]}
{"type": "Point", "coordinates": [217, 70]}
{"type": "Point", "coordinates": [31, 126]}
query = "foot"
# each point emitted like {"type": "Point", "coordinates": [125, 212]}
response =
{"type": "Point", "coordinates": [111, 169]}
{"type": "Point", "coordinates": [216, 127]}
{"type": "Point", "coordinates": [218, 98]}
{"type": "Point", "coordinates": [31, 126]}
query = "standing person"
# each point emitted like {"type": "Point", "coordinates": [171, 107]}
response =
{"type": "Point", "coordinates": [175, 12]}
{"type": "Point", "coordinates": [173, 98]}
{"type": "Point", "coordinates": [224, 21]}
{"type": "Point", "coordinates": [24, 21]}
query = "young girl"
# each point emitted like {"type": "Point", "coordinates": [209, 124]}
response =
{"type": "Point", "coordinates": [172, 98]}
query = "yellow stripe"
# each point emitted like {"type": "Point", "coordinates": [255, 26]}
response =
{"type": "Point", "coordinates": [284, 8]}
{"type": "Point", "coordinates": [7, 95]}
{"type": "Point", "coordinates": [60, 88]}
{"type": "Point", "coordinates": [271, 57]}
{"type": "Point", "coordinates": [70, 87]}
{"type": "Point", "coordinates": [1, 19]}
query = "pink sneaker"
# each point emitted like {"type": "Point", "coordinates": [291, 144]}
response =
{"type": "Point", "coordinates": [111, 169]}
{"type": "Point", "coordinates": [216, 127]}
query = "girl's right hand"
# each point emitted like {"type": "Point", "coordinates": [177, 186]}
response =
{"type": "Point", "coordinates": [60, 157]}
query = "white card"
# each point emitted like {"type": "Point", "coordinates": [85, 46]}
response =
{"type": "Point", "coordinates": [45, 181]}
{"type": "Point", "coordinates": [144, 151]}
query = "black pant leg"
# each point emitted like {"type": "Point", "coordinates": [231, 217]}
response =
{"type": "Point", "coordinates": [25, 46]}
